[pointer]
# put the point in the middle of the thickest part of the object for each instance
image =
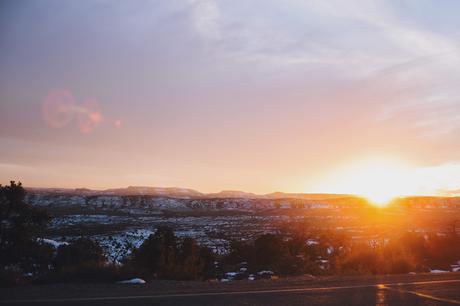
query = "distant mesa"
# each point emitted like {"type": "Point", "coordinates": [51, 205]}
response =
{"type": "Point", "coordinates": [305, 196]}
{"type": "Point", "coordinates": [157, 191]}
{"type": "Point", "coordinates": [187, 193]}
{"type": "Point", "coordinates": [233, 194]}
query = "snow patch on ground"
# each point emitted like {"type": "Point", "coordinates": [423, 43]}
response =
{"type": "Point", "coordinates": [132, 281]}
{"type": "Point", "coordinates": [51, 242]}
{"type": "Point", "coordinates": [438, 271]}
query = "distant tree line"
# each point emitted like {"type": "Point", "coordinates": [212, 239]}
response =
{"type": "Point", "coordinates": [25, 258]}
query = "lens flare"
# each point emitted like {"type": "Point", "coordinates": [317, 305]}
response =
{"type": "Point", "coordinates": [89, 116]}
{"type": "Point", "coordinates": [59, 109]}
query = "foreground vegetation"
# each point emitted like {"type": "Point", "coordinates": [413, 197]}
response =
{"type": "Point", "coordinates": [25, 257]}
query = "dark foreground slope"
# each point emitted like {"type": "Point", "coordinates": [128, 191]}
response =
{"type": "Point", "coordinates": [424, 289]}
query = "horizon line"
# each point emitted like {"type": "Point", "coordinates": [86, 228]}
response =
{"type": "Point", "coordinates": [241, 191]}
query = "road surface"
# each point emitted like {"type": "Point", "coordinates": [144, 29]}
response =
{"type": "Point", "coordinates": [379, 291]}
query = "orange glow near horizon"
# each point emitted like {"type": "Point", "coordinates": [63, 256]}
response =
{"type": "Point", "coordinates": [297, 97]}
{"type": "Point", "coordinates": [377, 180]}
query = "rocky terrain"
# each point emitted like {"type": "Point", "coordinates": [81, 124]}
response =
{"type": "Point", "coordinates": [122, 218]}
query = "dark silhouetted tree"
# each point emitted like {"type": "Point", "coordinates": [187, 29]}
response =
{"type": "Point", "coordinates": [190, 265]}
{"type": "Point", "coordinates": [195, 261]}
{"type": "Point", "coordinates": [268, 252]}
{"type": "Point", "coordinates": [162, 255]}
{"type": "Point", "coordinates": [81, 253]}
{"type": "Point", "coordinates": [20, 226]}
{"type": "Point", "coordinates": [157, 254]}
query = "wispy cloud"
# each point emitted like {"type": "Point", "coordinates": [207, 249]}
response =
{"type": "Point", "coordinates": [205, 18]}
{"type": "Point", "coordinates": [237, 76]}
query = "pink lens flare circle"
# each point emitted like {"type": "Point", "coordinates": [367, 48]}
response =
{"type": "Point", "coordinates": [58, 108]}
{"type": "Point", "coordinates": [89, 116]}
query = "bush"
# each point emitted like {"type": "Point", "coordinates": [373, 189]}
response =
{"type": "Point", "coordinates": [162, 255]}
{"type": "Point", "coordinates": [273, 252]}
{"type": "Point", "coordinates": [361, 260]}
{"type": "Point", "coordinates": [156, 257]}
{"type": "Point", "coordinates": [20, 226]}
{"type": "Point", "coordinates": [80, 254]}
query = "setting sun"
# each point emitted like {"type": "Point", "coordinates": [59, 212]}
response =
{"type": "Point", "coordinates": [378, 180]}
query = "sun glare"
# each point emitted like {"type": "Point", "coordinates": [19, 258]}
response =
{"type": "Point", "coordinates": [379, 181]}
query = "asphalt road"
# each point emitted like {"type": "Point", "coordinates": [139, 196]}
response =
{"type": "Point", "coordinates": [404, 290]}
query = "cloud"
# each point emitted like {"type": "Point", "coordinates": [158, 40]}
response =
{"type": "Point", "coordinates": [312, 76]}
{"type": "Point", "coordinates": [353, 40]}
{"type": "Point", "coordinates": [414, 67]}
{"type": "Point", "coordinates": [205, 19]}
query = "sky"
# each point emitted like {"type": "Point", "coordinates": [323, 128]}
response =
{"type": "Point", "coordinates": [256, 95]}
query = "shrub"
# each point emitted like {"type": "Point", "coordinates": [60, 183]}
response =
{"type": "Point", "coordinates": [162, 255]}
{"type": "Point", "coordinates": [20, 225]}
{"type": "Point", "coordinates": [80, 254]}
